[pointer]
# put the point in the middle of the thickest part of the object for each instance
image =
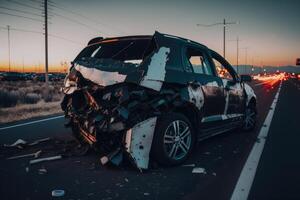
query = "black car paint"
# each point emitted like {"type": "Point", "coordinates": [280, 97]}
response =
{"type": "Point", "coordinates": [179, 76]}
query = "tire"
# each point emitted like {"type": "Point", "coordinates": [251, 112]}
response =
{"type": "Point", "coordinates": [250, 118]}
{"type": "Point", "coordinates": [171, 147]}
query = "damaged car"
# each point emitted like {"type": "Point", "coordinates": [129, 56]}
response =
{"type": "Point", "coordinates": [153, 97]}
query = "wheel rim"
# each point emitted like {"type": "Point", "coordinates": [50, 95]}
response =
{"type": "Point", "coordinates": [177, 140]}
{"type": "Point", "coordinates": [249, 118]}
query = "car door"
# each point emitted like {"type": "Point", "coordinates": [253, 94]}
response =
{"type": "Point", "coordinates": [233, 88]}
{"type": "Point", "coordinates": [198, 60]}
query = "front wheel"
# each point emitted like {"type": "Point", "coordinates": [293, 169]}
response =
{"type": "Point", "coordinates": [173, 139]}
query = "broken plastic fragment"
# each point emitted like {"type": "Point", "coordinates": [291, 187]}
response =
{"type": "Point", "coordinates": [104, 160]}
{"type": "Point", "coordinates": [39, 141]}
{"type": "Point", "coordinates": [35, 155]}
{"type": "Point", "coordinates": [16, 143]}
{"type": "Point", "coordinates": [45, 159]}
{"type": "Point", "coordinates": [58, 193]}
{"type": "Point", "coordinates": [189, 165]}
{"type": "Point", "coordinates": [199, 170]}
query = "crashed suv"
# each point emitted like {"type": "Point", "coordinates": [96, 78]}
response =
{"type": "Point", "coordinates": [152, 97]}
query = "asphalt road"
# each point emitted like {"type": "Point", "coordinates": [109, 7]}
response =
{"type": "Point", "coordinates": [222, 157]}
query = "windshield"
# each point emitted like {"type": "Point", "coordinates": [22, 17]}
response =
{"type": "Point", "coordinates": [131, 50]}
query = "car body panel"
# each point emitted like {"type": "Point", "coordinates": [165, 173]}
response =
{"type": "Point", "coordinates": [110, 97]}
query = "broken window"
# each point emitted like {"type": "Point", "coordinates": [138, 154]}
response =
{"type": "Point", "coordinates": [198, 62]}
{"type": "Point", "coordinates": [222, 71]}
{"type": "Point", "coordinates": [128, 50]}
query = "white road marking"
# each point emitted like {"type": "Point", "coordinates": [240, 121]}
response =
{"type": "Point", "coordinates": [243, 186]}
{"type": "Point", "coordinates": [32, 122]}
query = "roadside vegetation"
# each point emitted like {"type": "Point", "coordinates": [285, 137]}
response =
{"type": "Point", "coordinates": [26, 99]}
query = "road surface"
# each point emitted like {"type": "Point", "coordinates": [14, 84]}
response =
{"type": "Point", "coordinates": [223, 157]}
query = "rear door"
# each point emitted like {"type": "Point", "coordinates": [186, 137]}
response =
{"type": "Point", "coordinates": [233, 88]}
{"type": "Point", "coordinates": [199, 61]}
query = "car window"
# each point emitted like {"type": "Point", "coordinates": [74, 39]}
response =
{"type": "Point", "coordinates": [222, 71]}
{"type": "Point", "coordinates": [198, 62]}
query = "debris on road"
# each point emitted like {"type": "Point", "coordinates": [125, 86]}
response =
{"type": "Point", "coordinates": [189, 165]}
{"type": "Point", "coordinates": [45, 159]}
{"type": "Point", "coordinates": [39, 141]}
{"type": "Point", "coordinates": [35, 155]}
{"type": "Point", "coordinates": [58, 193]}
{"type": "Point", "coordinates": [19, 143]}
{"type": "Point", "coordinates": [199, 170]}
{"type": "Point", "coordinates": [43, 171]}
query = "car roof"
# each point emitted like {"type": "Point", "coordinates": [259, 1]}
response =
{"type": "Point", "coordinates": [182, 40]}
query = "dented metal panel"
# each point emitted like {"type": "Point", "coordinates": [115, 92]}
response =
{"type": "Point", "coordinates": [156, 69]}
{"type": "Point", "coordinates": [99, 77]}
{"type": "Point", "coordinates": [139, 141]}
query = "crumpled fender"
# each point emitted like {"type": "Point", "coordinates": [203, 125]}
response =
{"type": "Point", "coordinates": [138, 142]}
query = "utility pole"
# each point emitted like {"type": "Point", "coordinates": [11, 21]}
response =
{"type": "Point", "coordinates": [23, 63]}
{"type": "Point", "coordinates": [46, 43]}
{"type": "Point", "coordinates": [8, 37]}
{"type": "Point", "coordinates": [237, 40]}
{"type": "Point", "coordinates": [224, 37]}
{"type": "Point", "coordinates": [246, 57]}
{"type": "Point", "coordinates": [237, 54]}
{"type": "Point", "coordinates": [224, 23]}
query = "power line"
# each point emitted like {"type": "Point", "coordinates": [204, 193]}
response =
{"type": "Point", "coordinates": [41, 33]}
{"type": "Point", "coordinates": [85, 17]}
{"type": "Point", "coordinates": [25, 5]}
{"type": "Point", "coordinates": [224, 23]}
{"type": "Point", "coordinates": [20, 16]}
{"type": "Point", "coordinates": [16, 10]}
{"type": "Point", "coordinates": [66, 39]}
{"type": "Point", "coordinates": [77, 22]}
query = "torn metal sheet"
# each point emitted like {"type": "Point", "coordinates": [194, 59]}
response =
{"type": "Point", "coordinates": [156, 69]}
{"type": "Point", "coordinates": [99, 77]}
{"type": "Point", "coordinates": [139, 141]}
{"type": "Point", "coordinates": [196, 96]}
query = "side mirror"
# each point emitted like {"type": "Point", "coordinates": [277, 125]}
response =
{"type": "Point", "coordinates": [298, 61]}
{"type": "Point", "coordinates": [246, 78]}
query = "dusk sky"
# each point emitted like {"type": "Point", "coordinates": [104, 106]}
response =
{"type": "Point", "coordinates": [270, 29]}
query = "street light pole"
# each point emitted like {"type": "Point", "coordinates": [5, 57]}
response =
{"type": "Point", "coordinates": [224, 23]}
{"type": "Point", "coordinates": [8, 37]}
{"type": "Point", "coordinates": [237, 40]}
{"type": "Point", "coordinates": [46, 43]}
{"type": "Point", "coordinates": [237, 54]}
{"type": "Point", "coordinates": [224, 37]}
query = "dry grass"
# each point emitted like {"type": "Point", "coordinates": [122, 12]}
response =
{"type": "Point", "coordinates": [28, 111]}
{"type": "Point", "coordinates": [26, 99]}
